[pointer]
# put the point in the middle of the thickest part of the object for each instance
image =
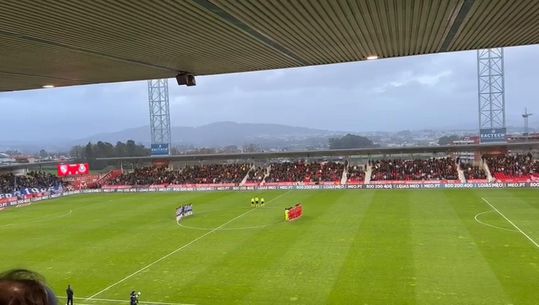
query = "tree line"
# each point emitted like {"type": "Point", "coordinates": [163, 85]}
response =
{"type": "Point", "coordinates": [351, 141]}
{"type": "Point", "coordinates": [90, 152]}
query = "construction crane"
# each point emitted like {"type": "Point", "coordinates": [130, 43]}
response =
{"type": "Point", "coordinates": [526, 115]}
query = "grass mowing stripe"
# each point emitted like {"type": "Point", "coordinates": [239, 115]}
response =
{"type": "Point", "coordinates": [41, 219]}
{"type": "Point", "coordinates": [449, 264]}
{"type": "Point", "coordinates": [243, 258]}
{"type": "Point", "coordinates": [175, 251]}
{"type": "Point", "coordinates": [338, 253]}
{"type": "Point", "coordinates": [514, 225]}
{"type": "Point", "coordinates": [380, 259]}
{"type": "Point", "coordinates": [511, 258]}
{"type": "Point", "coordinates": [313, 250]}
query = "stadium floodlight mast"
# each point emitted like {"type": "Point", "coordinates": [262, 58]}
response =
{"type": "Point", "coordinates": [491, 88]}
{"type": "Point", "coordinates": [159, 112]}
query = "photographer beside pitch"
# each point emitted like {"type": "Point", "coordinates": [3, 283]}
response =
{"type": "Point", "coordinates": [133, 297]}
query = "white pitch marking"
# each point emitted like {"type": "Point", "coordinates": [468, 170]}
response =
{"type": "Point", "coordinates": [487, 224]}
{"type": "Point", "coordinates": [175, 251]}
{"type": "Point", "coordinates": [226, 229]}
{"type": "Point", "coordinates": [41, 219]}
{"type": "Point", "coordinates": [125, 301]}
{"type": "Point", "coordinates": [514, 225]}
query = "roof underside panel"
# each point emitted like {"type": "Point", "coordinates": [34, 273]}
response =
{"type": "Point", "coordinates": [70, 42]}
{"type": "Point", "coordinates": [323, 32]}
{"type": "Point", "coordinates": [61, 66]}
{"type": "Point", "coordinates": [499, 23]}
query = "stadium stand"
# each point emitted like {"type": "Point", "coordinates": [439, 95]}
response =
{"type": "Point", "coordinates": [331, 171]}
{"type": "Point", "coordinates": [287, 172]}
{"type": "Point", "coordinates": [511, 167]}
{"type": "Point", "coordinates": [256, 175]}
{"type": "Point", "coordinates": [472, 172]}
{"type": "Point", "coordinates": [213, 173]}
{"type": "Point", "coordinates": [196, 174]}
{"type": "Point", "coordinates": [417, 170]}
{"type": "Point", "coordinates": [356, 174]}
{"type": "Point", "coordinates": [302, 171]}
{"type": "Point", "coordinates": [145, 176]}
{"type": "Point", "coordinates": [10, 183]}
{"type": "Point", "coordinates": [6, 183]}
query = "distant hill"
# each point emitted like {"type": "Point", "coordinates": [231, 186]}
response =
{"type": "Point", "coordinates": [217, 134]}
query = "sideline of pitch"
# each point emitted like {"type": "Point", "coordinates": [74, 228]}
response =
{"type": "Point", "coordinates": [124, 301]}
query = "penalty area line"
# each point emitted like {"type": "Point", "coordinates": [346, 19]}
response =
{"type": "Point", "coordinates": [508, 220]}
{"type": "Point", "coordinates": [489, 225]}
{"type": "Point", "coordinates": [175, 251]}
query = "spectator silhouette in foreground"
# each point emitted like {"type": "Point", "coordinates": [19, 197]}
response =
{"type": "Point", "coordinates": [24, 287]}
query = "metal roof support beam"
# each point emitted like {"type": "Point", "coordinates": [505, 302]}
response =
{"type": "Point", "coordinates": [457, 23]}
{"type": "Point", "coordinates": [222, 14]}
{"type": "Point", "coordinates": [85, 51]}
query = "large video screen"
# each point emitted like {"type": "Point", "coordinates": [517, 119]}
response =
{"type": "Point", "coordinates": [73, 169]}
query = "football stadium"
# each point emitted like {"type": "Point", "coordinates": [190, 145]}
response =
{"type": "Point", "coordinates": [454, 223]}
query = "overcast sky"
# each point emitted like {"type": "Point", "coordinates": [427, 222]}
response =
{"type": "Point", "coordinates": [433, 91]}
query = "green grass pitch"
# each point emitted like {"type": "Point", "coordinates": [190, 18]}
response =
{"type": "Point", "coordinates": [351, 247]}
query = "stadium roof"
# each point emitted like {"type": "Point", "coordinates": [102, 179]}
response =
{"type": "Point", "coordinates": [445, 149]}
{"type": "Point", "coordinates": [74, 42]}
{"type": "Point", "coordinates": [14, 166]}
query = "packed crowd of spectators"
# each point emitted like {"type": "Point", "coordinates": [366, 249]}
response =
{"type": "Point", "coordinates": [356, 173]}
{"type": "Point", "coordinates": [195, 174]}
{"type": "Point", "coordinates": [10, 183]}
{"type": "Point", "coordinates": [7, 183]}
{"type": "Point", "coordinates": [212, 173]}
{"type": "Point", "coordinates": [472, 171]}
{"type": "Point", "coordinates": [257, 175]}
{"type": "Point", "coordinates": [301, 171]}
{"type": "Point", "coordinates": [145, 176]}
{"type": "Point", "coordinates": [331, 171]}
{"type": "Point", "coordinates": [418, 169]}
{"type": "Point", "coordinates": [234, 173]}
{"type": "Point", "coordinates": [287, 172]}
{"type": "Point", "coordinates": [518, 165]}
